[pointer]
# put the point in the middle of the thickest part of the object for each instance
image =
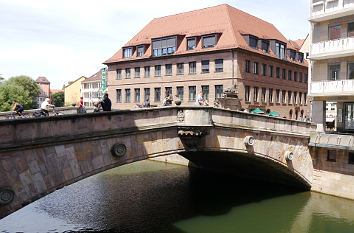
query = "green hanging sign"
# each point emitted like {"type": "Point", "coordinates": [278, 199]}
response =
{"type": "Point", "coordinates": [104, 81]}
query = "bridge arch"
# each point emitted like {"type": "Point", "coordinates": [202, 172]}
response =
{"type": "Point", "coordinates": [39, 156]}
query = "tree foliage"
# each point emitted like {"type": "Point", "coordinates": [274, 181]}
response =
{"type": "Point", "coordinates": [23, 89]}
{"type": "Point", "coordinates": [58, 99]}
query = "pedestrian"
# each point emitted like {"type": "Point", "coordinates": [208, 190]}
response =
{"type": "Point", "coordinates": [146, 103]}
{"type": "Point", "coordinates": [106, 103]}
{"type": "Point", "coordinates": [81, 102]}
{"type": "Point", "coordinates": [167, 101]}
{"type": "Point", "coordinates": [18, 108]}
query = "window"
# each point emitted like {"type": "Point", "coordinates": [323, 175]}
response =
{"type": "Point", "coordinates": [180, 92]}
{"type": "Point", "coordinates": [219, 63]}
{"type": "Point", "coordinates": [270, 71]}
{"type": "Point", "coordinates": [127, 72]}
{"type": "Point", "coordinates": [180, 68]}
{"type": "Point", "coordinates": [255, 94]}
{"type": "Point", "coordinates": [127, 95]}
{"type": "Point", "coordinates": [331, 155]}
{"type": "Point", "coordinates": [300, 57]}
{"type": "Point", "coordinates": [277, 96]}
{"type": "Point", "coordinates": [127, 52]}
{"type": "Point", "coordinates": [119, 74]}
{"type": "Point", "coordinates": [137, 95]}
{"type": "Point", "coordinates": [157, 70]}
{"type": "Point", "coordinates": [247, 93]}
{"type": "Point", "coordinates": [305, 98]}
{"type": "Point", "coordinates": [264, 69]}
{"type": "Point", "coordinates": [248, 66]}
{"type": "Point", "coordinates": [283, 97]}
{"type": "Point", "coordinates": [205, 90]}
{"type": "Point", "coordinates": [333, 72]}
{"type": "Point", "coordinates": [351, 158]}
{"type": "Point", "coordinates": [255, 67]}
{"type": "Point", "coordinates": [140, 50]}
{"type": "Point", "coordinates": [168, 68]}
{"type": "Point", "coordinates": [300, 77]}
{"type": "Point", "coordinates": [277, 72]}
{"type": "Point", "coordinates": [350, 70]}
{"type": "Point", "coordinates": [164, 46]}
{"type": "Point", "coordinates": [305, 78]}
{"type": "Point", "coordinates": [263, 96]}
{"type": "Point", "coordinates": [290, 75]}
{"type": "Point", "coordinates": [205, 66]}
{"type": "Point", "coordinates": [209, 41]}
{"type": "Point", "coordinates": [147, 94]}
{"type": "Point", "coordinates": [147, 71]}
{"type": "Point", "coordinates": [289, 97]}
{"type": "Point", "coordinates": [350, 29]}
{"type": "Point", "coordinates": [334, 32]}
{"type": "Point", "coordinates": [119, 95]}
{"type": "Point", "coordinates": [169, 90]}
{"type": "Point", "coordinates": [192, 67]}
{"type": "Point", "coordinates": [280, 50]}
{"type": "Point", "coordinates": [270, 100]}
{"type": "Point", "coordinates": [192, 92]}
{"type": "Point", "coordinates": [157, 94]}
{"type": "Point", "coordinates": [253, 42]}
{"type": "Point", "coordinates": [265, 46]}
{"type": "Point", "coordinates": [218, 91]}
{"type": "Point", "coordinates": [137, 72]}
{"type": "Point", "coordinates": [283, 74]}
{"type": "Point", "coordinates": [295, 76]}
{"type": "Point", "coordinates": [191, 43]}
{"type": "Point", "coordinates": [292, 54]}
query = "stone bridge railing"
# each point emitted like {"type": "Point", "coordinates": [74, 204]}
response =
{"type": "Point", "coordinates": [40, 155]}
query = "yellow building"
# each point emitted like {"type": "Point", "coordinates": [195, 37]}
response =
{"type": "Point", "coordinates": [72, 92]}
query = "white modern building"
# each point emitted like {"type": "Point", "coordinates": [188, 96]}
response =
{"type": "Point", "coordinates": [331, 69]}
{"type": "Point", "coordinates": [91, 89]}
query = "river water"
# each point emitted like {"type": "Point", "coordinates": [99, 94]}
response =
{"type": "Point", "coordinates": [154, 197]}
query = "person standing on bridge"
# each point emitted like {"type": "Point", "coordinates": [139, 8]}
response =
{"type": "Point", "coordinates": [167, 101]}
{"type": "Point", "coordinates": [106, 103]}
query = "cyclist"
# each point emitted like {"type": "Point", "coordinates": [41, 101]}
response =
{"type": "Point", "coordinates": [45, 106]}
{"type": "Point", "coordinates": [18, 108]}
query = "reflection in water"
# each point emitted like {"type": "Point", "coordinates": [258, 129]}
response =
{"type": "Point", "coordinates": [156, 197]}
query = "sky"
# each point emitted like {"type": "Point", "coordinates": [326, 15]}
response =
{"type": "Point", "coordinates": [66, 39]}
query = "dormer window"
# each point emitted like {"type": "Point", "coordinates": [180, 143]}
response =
{"type": "Point", "coordinates": [191, 43]}
{"type": "Point", "coordinates": [127, 52]}
{"type": "Point", "coordinates": [301, 57]}
{"type": "Point", "coordinates": [164, 46]}
{"type": "Point", "coordinates": [292, 54]}
{"type": "Point", "coordinates": [209, 41]}
{"type": "Point", "coordinates": [265, 46]}
{"type": "Point", "coordinates": [253, 41]}
{"type": "Point", "coordinates": [140, 50]}
{"type": "Point", "coordinates": [280, 50]}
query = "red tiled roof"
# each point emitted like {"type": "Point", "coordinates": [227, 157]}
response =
{"type": "Point", "coordinates": [42, 79]}
{"type": "Point", "coordinates": [97, 76]}
{"type": "Point", "coordinates": [228, 21]}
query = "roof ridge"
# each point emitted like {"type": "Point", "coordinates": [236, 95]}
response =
{"type": "Point", "coordinates": [232, 27]}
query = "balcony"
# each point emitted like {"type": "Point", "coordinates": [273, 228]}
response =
{"type": "Point", "coordinates": [322, 10]}
{"type": "Point", "coordinates": [332, 88]}
{"type": "Point", "coordinates": [332, 49]}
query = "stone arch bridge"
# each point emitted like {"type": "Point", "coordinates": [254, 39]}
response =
{"type": "Point", "coordinates": [39, 156]}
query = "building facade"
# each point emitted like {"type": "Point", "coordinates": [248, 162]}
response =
{"type": "Point", "coordinates": [91, 89]}
{"type": "Point", "coordinates": [44, 85]}
{"type": "Point", "coordinates": [72, 92]}
{"type": "Point", "coordinates": [207, 51]}
{"type": "Point", "coordinates": [332, 62]}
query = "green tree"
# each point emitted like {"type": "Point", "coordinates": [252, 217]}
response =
{"type": "Point", "coordinates": [30, 87]}
{"type": "Point", "coordinates": [10, 92]}
{"type": "Point", "coordinates": [58, 99]}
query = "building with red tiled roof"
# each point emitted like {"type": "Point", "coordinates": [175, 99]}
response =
{"type": "Point", "coordinates": [44, 86]}
{"type": "Point", "coordinates": [208, 50]}
{"type": "Point", "coordinates": [91, 89]}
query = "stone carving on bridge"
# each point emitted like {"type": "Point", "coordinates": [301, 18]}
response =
{"type": "Point", "coordinates": [249, 140]}
{"type": "Point", "coordinates": [119, 150]}
{"type": "Point", "coordinates": [229, 99]}
{"type": "Point", "coordinates": [6, 196]}
{"type": "Point", "coordinates": [180, 115]}
{"type": "Point", "coordinates": [191, 137]}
